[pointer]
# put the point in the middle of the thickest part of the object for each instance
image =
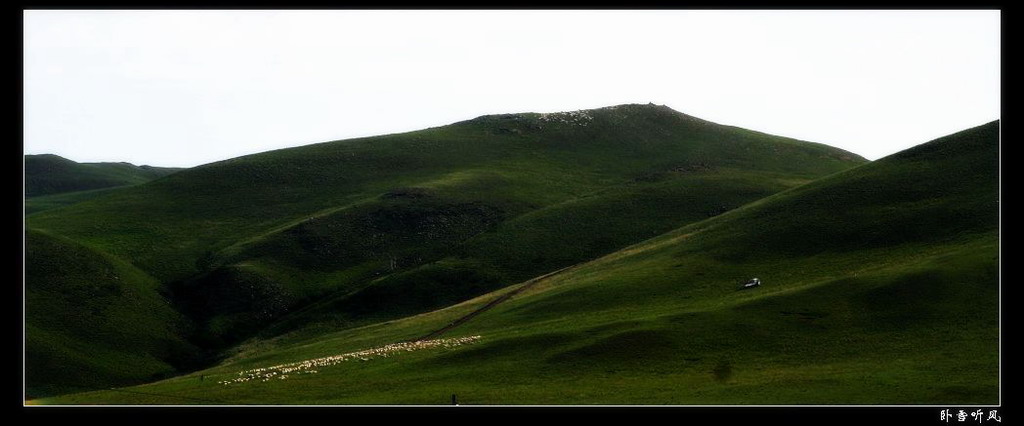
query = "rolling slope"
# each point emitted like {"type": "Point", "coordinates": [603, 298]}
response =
{"type": "Point", "coordinates": [52, 181]}
{"type": "Point", "coordinates": [93, 321]}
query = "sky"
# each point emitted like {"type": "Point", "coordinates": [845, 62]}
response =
{"type": "Point", "coordinates": [184, 88]}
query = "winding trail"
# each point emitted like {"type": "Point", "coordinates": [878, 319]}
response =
{"type": "Point", "coordinates": [498, 300]}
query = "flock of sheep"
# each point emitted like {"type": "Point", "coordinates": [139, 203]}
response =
{"type": "Point", "coordinates": [310, 366]}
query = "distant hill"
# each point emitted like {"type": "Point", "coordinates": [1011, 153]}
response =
{"type": "Point", "coordinates": [48, 174]}
{"type": "Point", "coordinates": [880, 286]}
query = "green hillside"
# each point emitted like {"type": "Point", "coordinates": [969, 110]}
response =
{"type": "Point", "coordinates": [94, 321]}
{"type": "Point", "coordinates": [880, 287]}
{"type": "Point", "coordinates": [347, 233]}
{"type": "Point", "coordinates": [49, 174]}
{"type": "Point", "coordinates": [47, 202]}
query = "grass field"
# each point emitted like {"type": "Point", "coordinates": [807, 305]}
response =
{"type": "Point", "coordinates": [47, 202]}
{"type": "Point", "coordinates": [880, 287]}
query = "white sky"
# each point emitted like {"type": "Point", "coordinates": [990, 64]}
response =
{"type": "Point", "coordinates": [183, 88]}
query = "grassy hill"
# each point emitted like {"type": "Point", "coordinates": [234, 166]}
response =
{"type": "Point", "coordinates": [94, 321]}
{"type": "Point", "coordinates": [49, 174]}
{"type": "Point", "coordinates": [47, 202]}
{"type": "Point", "coordinates": [342, 234]}
{"type": "Point", "coordinates": [52, 181]}
{"type": "Point", "coordinates": [880, 287]}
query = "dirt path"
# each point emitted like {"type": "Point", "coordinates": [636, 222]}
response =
{"type": "Point", "coordinates": [465, 318]}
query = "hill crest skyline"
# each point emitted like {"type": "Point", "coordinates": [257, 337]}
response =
{"type": "Point", "coordinates": [577, 114]}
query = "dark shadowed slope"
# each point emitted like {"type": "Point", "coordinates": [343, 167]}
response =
{"type": "Point", "coordinates": [94, 321]}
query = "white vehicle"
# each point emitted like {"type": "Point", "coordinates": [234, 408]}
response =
{"type": "Point", "coordinates": [752, 283]}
